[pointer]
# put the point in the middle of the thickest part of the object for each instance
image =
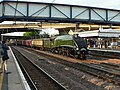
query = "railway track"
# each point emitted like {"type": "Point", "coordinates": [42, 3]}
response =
{"type": "Point", "coordinates": [104, 54]}
{"type": "Point", "coordinates": [72, 79]}
{"type": "Point", "coordinates": [111, 66]}
{"type": "Point", "coordinates": [37, 77]}
{"type": "Point", "coordinates": [100, 71]}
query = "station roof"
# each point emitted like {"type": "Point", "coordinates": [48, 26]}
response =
{"type": "Point", "coordinates": [13, 34]}
{"type": "Point", "coordinates": [101, 33]}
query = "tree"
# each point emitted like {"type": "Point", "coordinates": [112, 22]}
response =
{"type": "Point", "coordinates": [31, 34]}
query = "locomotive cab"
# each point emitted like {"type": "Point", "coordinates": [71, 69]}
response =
{"type": "Point", "coordinates": [81, 47]}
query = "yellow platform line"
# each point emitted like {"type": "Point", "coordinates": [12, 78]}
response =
{"type": "Point", "coordinates": [1, 77]}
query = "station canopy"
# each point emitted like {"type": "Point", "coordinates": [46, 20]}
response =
{"type": "Point", "coordinates": [13, 34]}
{"type": "Point", "coordinates": [101, 33]}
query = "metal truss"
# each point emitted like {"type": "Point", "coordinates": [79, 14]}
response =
{"type": "Point", "coordinates": [61, 13]}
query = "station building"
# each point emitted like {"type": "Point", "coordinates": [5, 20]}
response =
{"type": "Point", "coordinates": [102, 38]}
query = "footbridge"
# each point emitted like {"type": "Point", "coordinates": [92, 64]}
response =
{"type": "Point", "coordinates": [61, 13]}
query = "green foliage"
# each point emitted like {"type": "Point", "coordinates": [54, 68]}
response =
{"type": "Point", "coordinates": [35, 35]}
{"type": "Point", "coordinates": [31, 34]}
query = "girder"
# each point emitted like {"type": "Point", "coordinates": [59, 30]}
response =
{"type": "Point", "coordinates": [50, 12]}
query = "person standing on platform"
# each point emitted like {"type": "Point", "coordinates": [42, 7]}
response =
{"type": "Point", "coordinates": [5, 56]}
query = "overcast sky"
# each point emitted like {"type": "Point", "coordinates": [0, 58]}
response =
{"type": "Point", "coordinates": [112, 4]}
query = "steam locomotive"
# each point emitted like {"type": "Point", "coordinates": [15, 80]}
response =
{"type": "Point", "coordinates": [68, 45]}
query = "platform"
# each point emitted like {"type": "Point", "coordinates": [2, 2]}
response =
{"type": "Point", "coordinates": [105, 50]}
{"type": "Point", "coordinates": [13, 79]}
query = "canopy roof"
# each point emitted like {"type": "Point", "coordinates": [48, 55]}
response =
{"type": "Point", "coordinates": [13, 34]}
{"type": "Point", "coordinates": [100, 33]}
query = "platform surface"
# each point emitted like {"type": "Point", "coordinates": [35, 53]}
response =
{"type": "Point", "coordinates": [12, 79]}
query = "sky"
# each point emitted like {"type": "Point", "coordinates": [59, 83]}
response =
{"type": "Point", "coordinates": [111, 4]}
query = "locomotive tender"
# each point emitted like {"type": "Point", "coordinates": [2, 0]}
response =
{"type": "Point", "coordinates": [67, 45]}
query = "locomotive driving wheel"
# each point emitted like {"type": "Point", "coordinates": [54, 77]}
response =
{"type": "Point", "coordinates": [82, 56]}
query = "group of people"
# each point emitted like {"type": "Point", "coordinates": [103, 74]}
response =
{"type": "Point", "coordinates": [4, 55]}
{"type": "Point", "coordinates": [96, 43]}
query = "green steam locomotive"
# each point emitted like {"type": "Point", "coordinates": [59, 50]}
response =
{"type": "Point", "coordinates": [68, 45]}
